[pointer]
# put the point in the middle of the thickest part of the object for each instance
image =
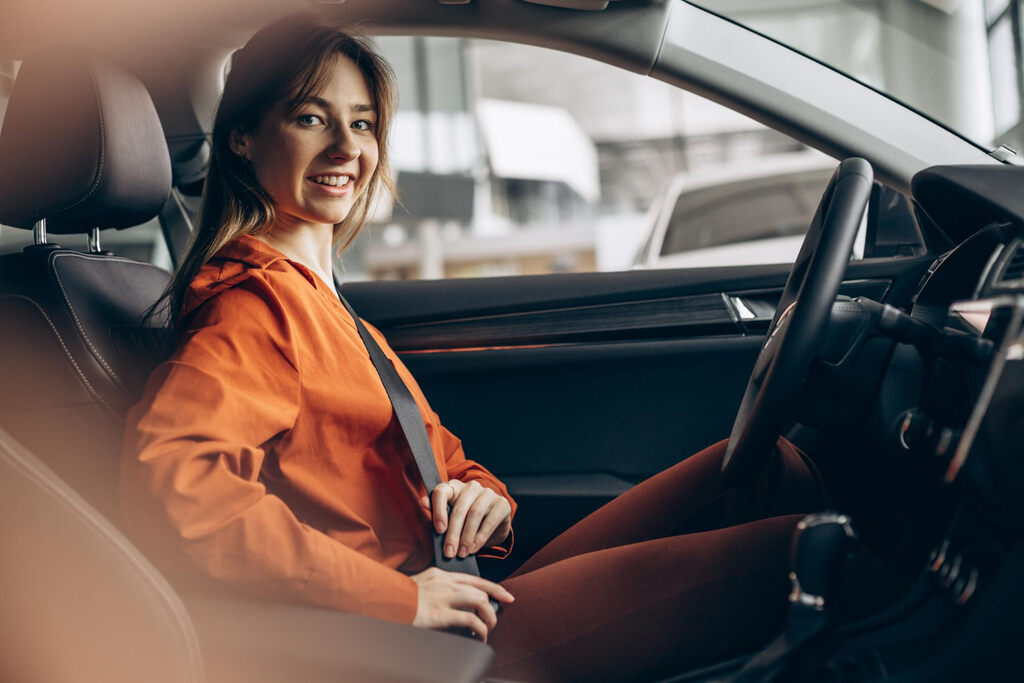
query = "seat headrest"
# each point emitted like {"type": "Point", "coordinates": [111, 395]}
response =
{"type": "Point", "coordinates": [81, 146]}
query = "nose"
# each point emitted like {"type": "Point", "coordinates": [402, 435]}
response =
{"type": "Point", "coordinates": [344, 146]}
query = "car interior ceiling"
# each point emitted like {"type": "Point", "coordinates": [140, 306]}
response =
{"type": "Point", "coordinates": [76, 314]}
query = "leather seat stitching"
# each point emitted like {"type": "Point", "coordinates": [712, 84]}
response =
{"type": "Point", "coordinates": [102, 160]}
{"type": "Point", "coordinates": [67, 352]}
{"type": "Point", "coordinates": [74, 315]}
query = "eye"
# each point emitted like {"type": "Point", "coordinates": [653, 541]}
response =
{"type": "Point", "coordinates": [363, 124]}
{"type": "Point", "coordinates": [309, 120]}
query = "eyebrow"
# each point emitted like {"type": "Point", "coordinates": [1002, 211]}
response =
{"type": "Point", "coordinates": [321, 102]}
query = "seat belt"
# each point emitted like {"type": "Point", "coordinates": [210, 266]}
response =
{"type": "Point", "coordinates": [411, 421]}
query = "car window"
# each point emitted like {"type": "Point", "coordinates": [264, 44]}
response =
{"type": "Point", "coordinates": [142, 242]}
{"type": "Point", "coordinates": [960, 63]}
{"type": "Point", "coordinates": [514, 159]}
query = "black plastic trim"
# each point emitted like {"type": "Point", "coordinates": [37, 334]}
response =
{"type": "Point", "coordinates": [701, 314]}
{"type": "Point", "coordinates": [698, 315]}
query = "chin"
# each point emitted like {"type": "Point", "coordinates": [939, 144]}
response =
{"type": "Point", "coordinates": [332, 217]}
{"type": "Point", "coordinates": [334, 220]}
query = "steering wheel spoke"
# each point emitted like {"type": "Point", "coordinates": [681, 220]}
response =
{"type": "Point", "coordinates": [798, 329]}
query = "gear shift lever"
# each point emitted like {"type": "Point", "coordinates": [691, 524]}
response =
{"type": "Point", "coordinates": [820, 544]}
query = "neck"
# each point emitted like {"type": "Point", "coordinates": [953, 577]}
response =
{"type": "Point", "coordinates": [310, 245]}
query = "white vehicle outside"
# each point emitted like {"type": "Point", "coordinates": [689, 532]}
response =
{"type": "Point", "coordinates": [737, 214]}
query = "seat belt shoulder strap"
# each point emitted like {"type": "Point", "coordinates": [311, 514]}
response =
{"type": "Point", "coordinates": [411, 421]}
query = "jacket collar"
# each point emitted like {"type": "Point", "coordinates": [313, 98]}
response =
{"type": "Point", "coordinates": [229, 266]}
{"type": "Point", "coordinates": [249, 250]}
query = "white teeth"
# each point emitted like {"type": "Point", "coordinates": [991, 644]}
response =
{"type": "Point", "coordinates": [332, 180]}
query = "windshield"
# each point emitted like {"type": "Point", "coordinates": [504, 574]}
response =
{"type": "Point", "coordinates": [956, 61]}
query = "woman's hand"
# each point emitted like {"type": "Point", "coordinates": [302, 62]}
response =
{"type": "Point", "coordinates": [451, 599]}
{"type": "Point", "coordinates": [479, 516]}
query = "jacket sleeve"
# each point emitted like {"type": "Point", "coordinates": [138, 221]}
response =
{"type": "Point", "coordinates": [194, 447]}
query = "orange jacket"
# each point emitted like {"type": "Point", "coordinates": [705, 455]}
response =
{"type": "Point", "coordinates": [267, 450]}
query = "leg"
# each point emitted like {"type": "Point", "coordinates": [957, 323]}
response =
{"type": "Point", "coordinates": [647, 609]}
{"type": "Point", "coordinates": [689, 496]}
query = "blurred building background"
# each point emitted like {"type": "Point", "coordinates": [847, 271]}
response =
{"type": "Point", "coordinates": [513, 159]}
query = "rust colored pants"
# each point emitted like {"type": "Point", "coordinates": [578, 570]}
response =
{"type": "Point", "coordinates": [660, 580]}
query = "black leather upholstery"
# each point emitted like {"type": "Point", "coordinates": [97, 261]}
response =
{"type": "Point", "coordinates": [81, 146]}
{"type": "Point", "coordinates": [72, 358]}
{"type": "Point", "coordinates": [88, 303]}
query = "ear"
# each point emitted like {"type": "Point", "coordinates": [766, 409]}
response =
{"type": "Point", "coordinates": [241, 143]}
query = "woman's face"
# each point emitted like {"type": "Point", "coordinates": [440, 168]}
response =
{"type": "Point", "coordinates": [318, 160]}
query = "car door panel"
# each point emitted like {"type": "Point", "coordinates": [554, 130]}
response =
{"type": "Point", "coordinates": [570, 426]}
{"type": "Point", "coordinates": [573, 387]}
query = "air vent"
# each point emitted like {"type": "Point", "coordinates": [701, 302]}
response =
{"type": "Point", "coordinates": [1014, 270]}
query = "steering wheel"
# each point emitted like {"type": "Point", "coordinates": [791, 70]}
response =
{"type": "Point", "coordinates": [801, 320]}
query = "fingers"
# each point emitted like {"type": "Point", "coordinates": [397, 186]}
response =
{"type": "Point", "coordinates": [476, 600]}
{"type": "Point", "coordinates": [477, 513]}
{"type": "Point", "coordinates": [448, 599]}
{"type": "Point", "coordinates": [489, 514]}
{"type": "Point", "coordinates": [494, 590]}
{"type": "Point", "coordinates": [498, 517]}
{"type": "Point", "coordinates": [468, 620]}
{"type": "Point", "coordinates": [441, 497]}
{"type": "Point", "coordinates": [476, 518]}
{"type": "Point", "coordinates": [460, 514]}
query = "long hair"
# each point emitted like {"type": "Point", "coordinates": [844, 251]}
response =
{"type": "Point", "coordinates": [287, 61]}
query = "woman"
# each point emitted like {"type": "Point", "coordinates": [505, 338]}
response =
{"type": "Point", "coordinates": [265, 450]}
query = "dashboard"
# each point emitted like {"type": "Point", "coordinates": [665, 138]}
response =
{"type": "Point", "coordinates": [947, 427]}
{"type": "Point", "coordinates": [976, 216]}
{"type": "Point", "coordinates": [976, 289]}
{"type": "Point", "coordinates": [963, 424]}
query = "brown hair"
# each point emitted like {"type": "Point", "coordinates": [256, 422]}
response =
{"type": "Point", "coordinates": [287, 61]}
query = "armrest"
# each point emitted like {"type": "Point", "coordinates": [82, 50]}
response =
{"type": "Point", "coordinates": [259, 642]}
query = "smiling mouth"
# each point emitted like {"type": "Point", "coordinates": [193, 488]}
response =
{"type": "Point", "coordinates": [331, 180]}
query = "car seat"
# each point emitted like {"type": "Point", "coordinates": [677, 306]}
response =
{"type": "Point", "coordinates": [79, 602]}
{"type": "Point", "coordinates": [81, 148]}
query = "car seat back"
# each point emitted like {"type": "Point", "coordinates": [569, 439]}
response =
{"type": "Point", "coordinates": [81, 148]}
